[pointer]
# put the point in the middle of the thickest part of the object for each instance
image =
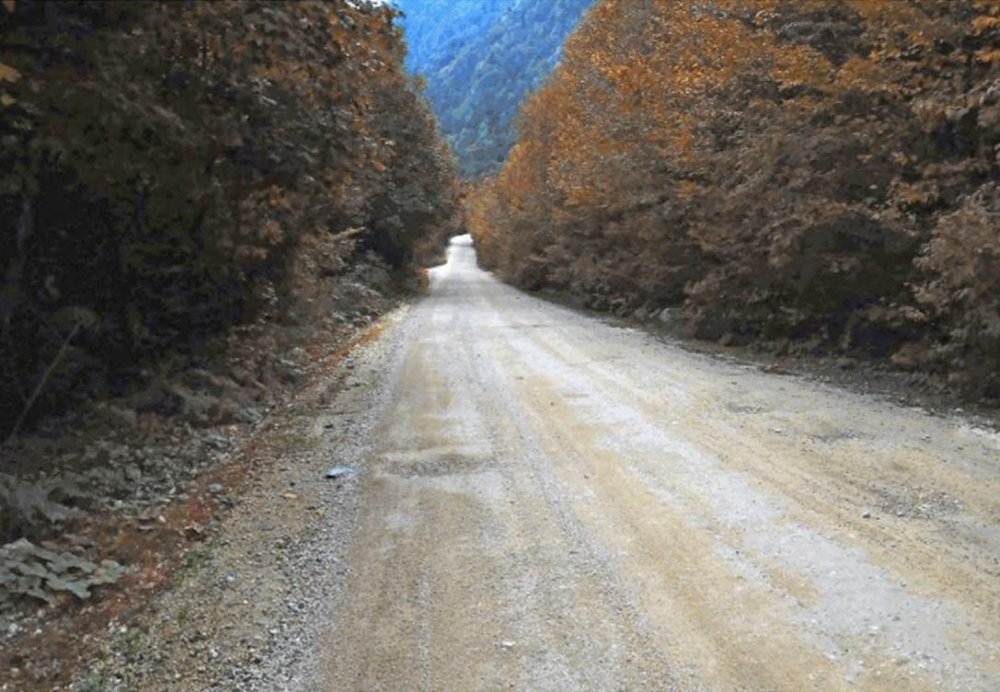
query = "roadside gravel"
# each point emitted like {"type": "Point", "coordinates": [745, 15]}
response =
{"type": "Point", "coordinates": [248, 605]}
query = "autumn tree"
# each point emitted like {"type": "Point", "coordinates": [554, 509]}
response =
{"type": "Point", "coordinates": [162, 164]}
{"type": "Point", "coordinates": [801, 171]}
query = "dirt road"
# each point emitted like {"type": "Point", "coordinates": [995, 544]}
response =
{"type": "Point", "coordinates": [549, 502]}
{"type": "Point", "coordinates": [556, 503]}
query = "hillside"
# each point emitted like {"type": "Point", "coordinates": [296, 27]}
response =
{"type": "Point", "coordinates": [204, 204]}
{"type": "Point", "coordinates": [438, 30]}
{"type": "Point", "coordinates": [169, 170]}
{"type": "Point", "coordinates": [481, 63]}
{"type": "Point", "coordinates": [818, 176]}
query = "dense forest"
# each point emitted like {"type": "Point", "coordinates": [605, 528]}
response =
{"type": "Point", "coordinates": [210, 211]}
{"type": "Point", "coordinates": [817, 175]}
{"type": "Point", "coordinates": [481, 62]}
{"type": "Point", "coordinates": [168, 169]}
{"type": "Point", "coordinates": [437, 30]}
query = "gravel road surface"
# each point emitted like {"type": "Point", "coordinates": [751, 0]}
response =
{"type": "Point", "coordinates": [545, 501]}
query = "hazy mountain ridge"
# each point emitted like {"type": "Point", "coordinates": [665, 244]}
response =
{"type": "Point", "coordinates": [481, 63]}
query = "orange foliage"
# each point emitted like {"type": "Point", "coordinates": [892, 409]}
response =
{"type": "Point", "coordinates": [775, 166]}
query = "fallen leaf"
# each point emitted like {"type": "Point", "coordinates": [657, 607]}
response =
{"type": "Point", "coordinates": [36, 592]}
{"type": "Point", "coordinates": [9, 74]}
{"type": "Point", "coordinates": [108, 573]}
{"type": "Point", "coordinates": [77, 588]}
{"type": "Point", "coordinates": [30, 569]}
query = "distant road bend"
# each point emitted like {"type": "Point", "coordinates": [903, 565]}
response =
{"type": "Point", "coordinates": [556, 503]}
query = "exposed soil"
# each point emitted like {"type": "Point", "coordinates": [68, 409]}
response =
{"type": "Point", "coordinates": [146, 479]}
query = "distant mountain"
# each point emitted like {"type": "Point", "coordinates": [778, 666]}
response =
{"type": "Point", "coordinates": [437, 30]}
{"type": "Point", "coordinates": [480, 59]}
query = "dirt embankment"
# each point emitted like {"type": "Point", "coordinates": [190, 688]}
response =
{"type": "Point", "coordinates": [103, 507]}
